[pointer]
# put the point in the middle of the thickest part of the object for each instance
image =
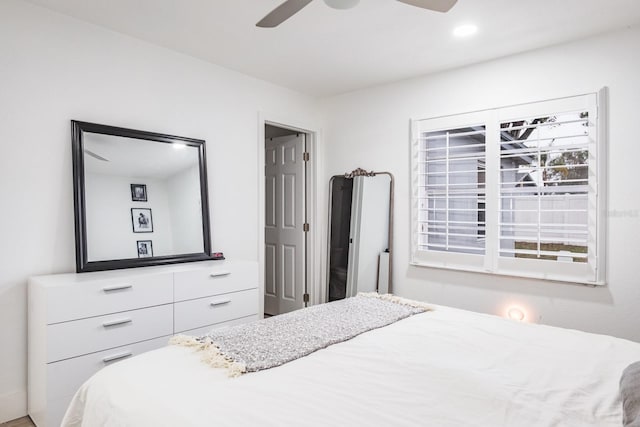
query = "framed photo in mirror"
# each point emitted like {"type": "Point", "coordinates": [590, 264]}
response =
{"type": "Point", "coordinates": [145, 248]}
{"type": "Point", "coordinates": [138, 193]}
{"type": "Point", "coordinates": [141, 220]}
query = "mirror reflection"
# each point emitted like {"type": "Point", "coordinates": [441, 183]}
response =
{"type": "Point", "coordinates": [142, 198]}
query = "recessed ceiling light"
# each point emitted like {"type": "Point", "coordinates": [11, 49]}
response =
{"type": "Point", "coordinates": [465, 30]}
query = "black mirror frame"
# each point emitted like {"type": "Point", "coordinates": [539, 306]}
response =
{"type": "Point", "coordinates": [82, 262]}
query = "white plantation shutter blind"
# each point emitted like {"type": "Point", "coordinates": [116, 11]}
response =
{"type": "Point", "coordinates": [450, 196]}
{"type": "Point", "coordinates": [514, 190]}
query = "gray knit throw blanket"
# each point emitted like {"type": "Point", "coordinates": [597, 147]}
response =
{"type": "Point", "coordinates": [630, 394]}
{"type": "Point", "coordinates": [280, 339]}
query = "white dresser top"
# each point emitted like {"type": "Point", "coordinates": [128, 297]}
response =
{"type": "Point", "coordinates": [67, 279]}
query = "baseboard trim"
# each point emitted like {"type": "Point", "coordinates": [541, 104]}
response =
{"type": "Point", "coordinates": [13, 405]}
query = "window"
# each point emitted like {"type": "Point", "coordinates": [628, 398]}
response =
{"type": "Point", "coordinates": [515, 190]}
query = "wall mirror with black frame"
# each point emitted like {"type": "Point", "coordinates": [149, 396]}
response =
{"type": "Point", "coordinates": [140, 198]}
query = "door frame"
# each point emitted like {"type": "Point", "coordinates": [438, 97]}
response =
{"type": "Point", "coordinates": [313, 273]}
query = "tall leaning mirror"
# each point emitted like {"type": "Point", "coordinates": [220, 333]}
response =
{"type": "Point", "coordinates": [360, 233]}
{"type": "Point", "coordinates": [140, 198]}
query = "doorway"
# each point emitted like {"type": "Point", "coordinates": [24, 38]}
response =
{"type": "Point", "coordinates": [285, 222]}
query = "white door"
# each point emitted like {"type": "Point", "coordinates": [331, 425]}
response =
{"type": "Point", "coordinates": [284, 222]}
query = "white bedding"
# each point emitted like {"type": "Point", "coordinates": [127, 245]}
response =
{"type": "Point", "coordinates": [442, 368]}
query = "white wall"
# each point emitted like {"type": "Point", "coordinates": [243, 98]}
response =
{"type": "Point", "coordinates": [109, 224]}
{"type": "Point", "coordinates": [185, 207]}
{"type": "Point", "coordinates": [54, 69]}
{"type": "Point", "coordinates": [370, 129]}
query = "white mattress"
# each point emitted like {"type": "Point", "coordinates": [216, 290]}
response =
{"type": "Point", "coordinates": [442, 368]}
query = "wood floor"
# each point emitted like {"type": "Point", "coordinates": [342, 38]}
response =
{"type": "Point", "coordinates": [20, 422]}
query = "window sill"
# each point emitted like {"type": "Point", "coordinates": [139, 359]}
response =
{"type": "Point", "coordinates": [525, 275]}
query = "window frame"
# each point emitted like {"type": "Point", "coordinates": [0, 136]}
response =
{"type": "Point", "coordinates": [591, 272]}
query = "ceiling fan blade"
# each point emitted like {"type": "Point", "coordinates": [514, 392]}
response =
{"type": "Point", "coordinates": [437, 5]}
{"type": "Point", "coordinates": [95, 156]}
{"type": "Point", "coordinates": [281, 13]}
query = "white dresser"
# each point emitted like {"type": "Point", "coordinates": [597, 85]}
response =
{"type": "Point", "coordinates": [79, 323]}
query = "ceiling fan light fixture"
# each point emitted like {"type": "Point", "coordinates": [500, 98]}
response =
{"type": "Point", "coordinates": [288, 8]}
{"type": "Point", "coordinates": [341, 4]}
{"type": "Point", "coordinates": [465, 30]}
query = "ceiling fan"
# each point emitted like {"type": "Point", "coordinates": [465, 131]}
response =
{"type": "Point", "coordinates": [290, 7]}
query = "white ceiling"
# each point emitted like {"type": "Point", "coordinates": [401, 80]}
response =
{"type": "Point", "coordinates": [322, 51]}
{"type": "Point", "coordinates": [128, 157]}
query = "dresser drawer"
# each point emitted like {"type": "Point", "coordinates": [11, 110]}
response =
{"type": "Point", "coordinates": [219, 279]}
{"type": "Point", "coordinates": [87, 297]}
{"type": "Point", "coordinates": [66, 376]}
{"type": "Point", "coordinates": [198, 332]}
{"type": "Point", "coordinates": [70, 339]}
{"type": "Point", "coordinates": [215, 309]}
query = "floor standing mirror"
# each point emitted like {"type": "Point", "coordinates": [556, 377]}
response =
{"type": "Point", "coordinates": [360, 233]}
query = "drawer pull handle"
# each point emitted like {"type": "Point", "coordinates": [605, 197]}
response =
{"type": "Point", "coordinates": [116, 322]}
{"type": "Point", "coordinates": [117, 356]}
{"type": "Point", "coordinates": [220, 273]}
{"type": "Point", "coordinates": [117, 287]}
{"type": "Point", "coordinates": [220, 302]}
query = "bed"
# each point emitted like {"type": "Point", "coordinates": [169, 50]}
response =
{"type": "Point", "coordinates": [444, 367]}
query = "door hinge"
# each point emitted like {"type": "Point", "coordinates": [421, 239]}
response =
{"type": "Point", "coordinates": [305, 298]}
{"type": "Point", "coordinates": [305, 227]}
{"type": "Point", "coordinates": [305, 156]}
